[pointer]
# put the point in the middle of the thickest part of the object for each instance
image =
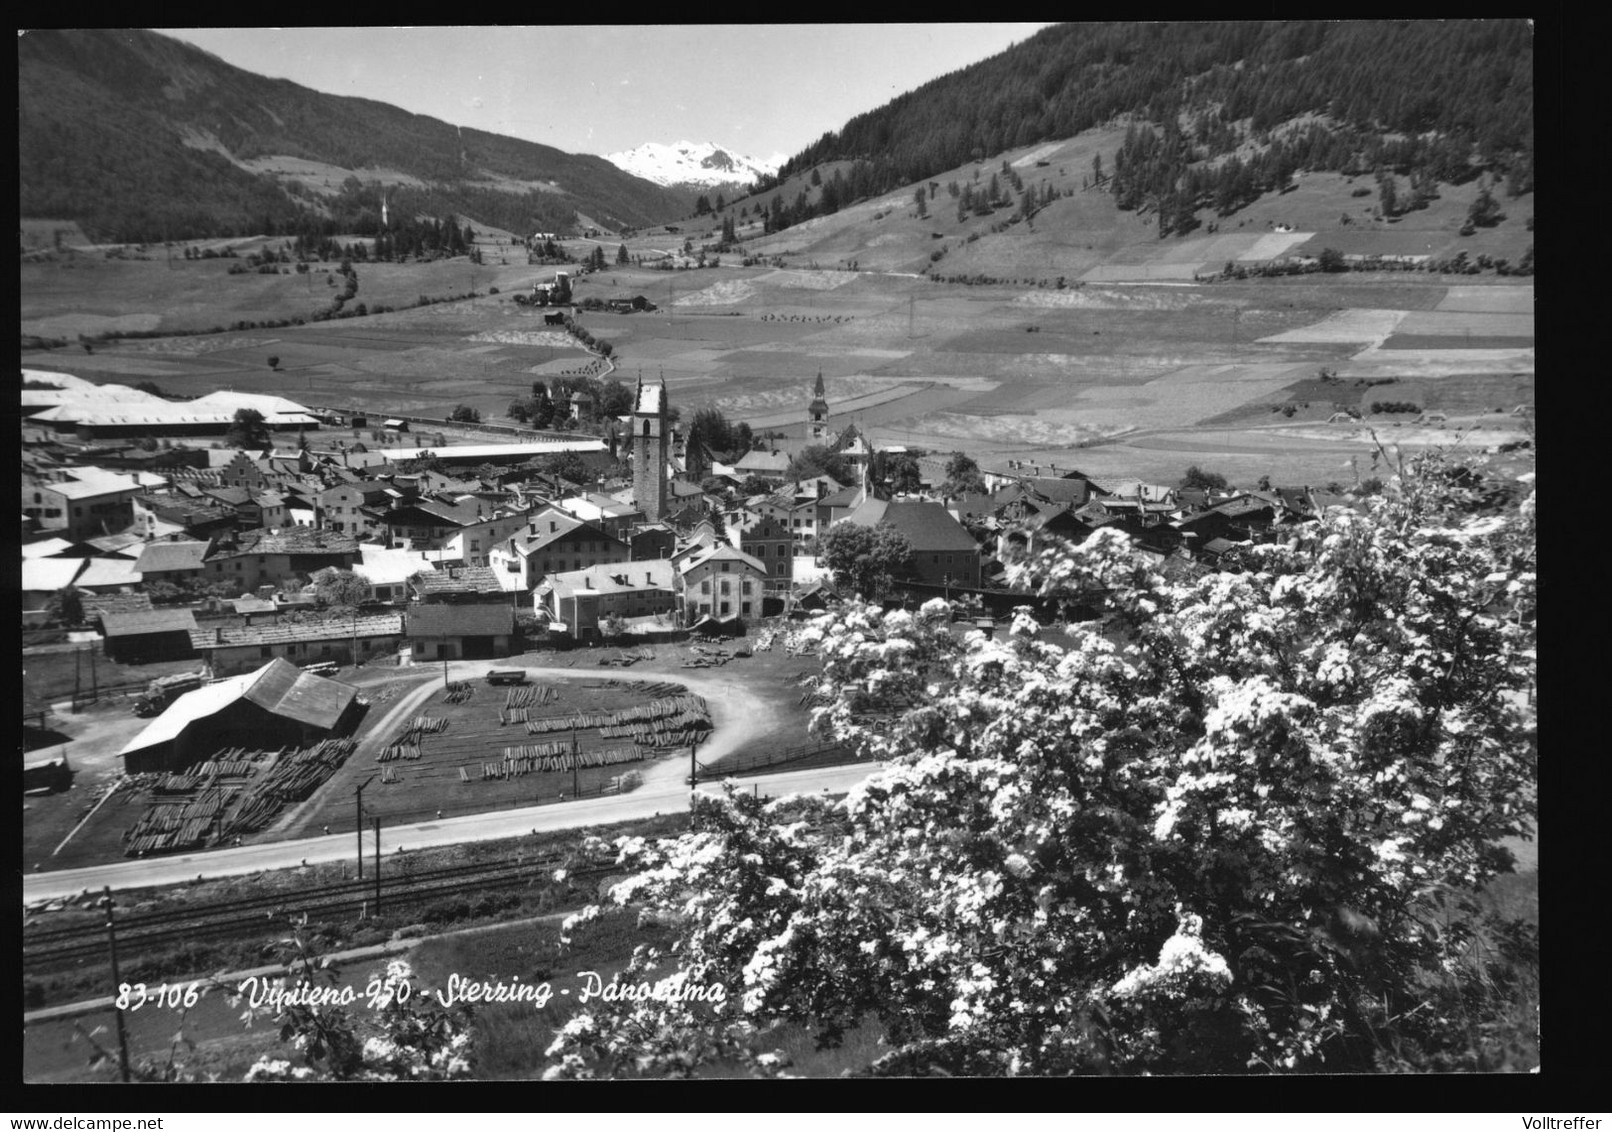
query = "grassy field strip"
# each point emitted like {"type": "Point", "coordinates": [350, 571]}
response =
{"type": "Point", "coordinates": [1263, 373]}
{"type": "Point", "coordinates": [729, 292]}
{"type": "Point", "coordinates": [807, 280]}
{"type": "Point", "coordinates": [1148, 272]}
{"type": "Point", "coordinates": [1216, 249]}
{"type": "Point", "coordinates": [1036, 430]}
{"type": "Point", "coordinates": [1437, 363]}
{"type": "Point", "coordinates": [1099, 298]}
{"type": "Point", "coordinates": [1275, 244]}
{"type": "Point", "coordinates": [840, 406]}
{"type": "Point", "coordinates": [1358, 325]}
{"type": "Point", "coordinates": [1459, 323]}
{"type": "Point", "coordinates": [1163, 404]}
{"type": "Point", "coordinates": [557, 339]}
{"type": "Point", "coordinates": [1489, 300]}
{"type": "Point", "coordinates": [787, 395]}
{"type": "Point", "coordinates": [1040, 153]}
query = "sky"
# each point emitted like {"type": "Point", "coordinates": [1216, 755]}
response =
{"type": "Point", "coordinates": [757, 89]}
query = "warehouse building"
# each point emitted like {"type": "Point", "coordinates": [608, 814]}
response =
{"type": "Point", "coordinates": [277, 705]}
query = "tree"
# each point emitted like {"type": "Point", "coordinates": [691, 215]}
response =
{"type": "Point", "coordinates": [868, 560]}
{"type": "Point", "coordinates": [567, 465]}
{"type": "Point", "coordinates": [817, 460]}
{"type": "Point", "coordinates": [1485, 210]}
{"type": "Point", "coordinates": [622, 258]}
{"type": "Point", "coordinates": [274, 361]}
{"type": "Point", "coordinates": [613, 398]}
{"type": "Point", "coordinates": [901, 475]}
{"type": "Point", "coordinates": [1197, 478]}
{"type": "Point", "coordinates": [962, 477]}
{"type": "Point", "coordinates": [465, 413]}
{"type": "Point", "coordinates": [710, 428]}
{"type": "Point", "coordinates": [1388, 194]}
{"type": "Point", "coordinates": [66, 606]}
{"type": "Point", "coordinates": [1229, 827]}
{"type": "Point", "coordinates": [345, 589]}
{"type": "Point", "coordinates": [247, 430]}
{"type": "Point", "coordinates": [1331, 259]}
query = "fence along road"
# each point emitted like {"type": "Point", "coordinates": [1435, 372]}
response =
{"type": "Point", "coordinates": [641, 803]}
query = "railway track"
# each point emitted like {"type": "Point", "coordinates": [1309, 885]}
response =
{"type": "Point", "coordinates": [53, 948]}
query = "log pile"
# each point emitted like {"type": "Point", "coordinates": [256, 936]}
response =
{"type": "Point", "coordinates": [518, 701]}
{"type": "Point", "coordinates": [548, 757]}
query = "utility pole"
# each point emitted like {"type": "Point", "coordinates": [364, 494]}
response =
{"type": "Point", "coordinates": [576, 785]}
{"type": "Point", "coordinates": [112, 953]}
{"type": "Point", "coordinates": [358, 822]}
{"type": "Point", "coordinates": [377, 866]}
{"type": "Point", "coordinates": [95, 695]}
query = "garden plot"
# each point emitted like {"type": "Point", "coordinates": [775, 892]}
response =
{"type": "Point", "coordinates": [1346, 326]}
{"type": "Point", "coordinates": [1489, 300]}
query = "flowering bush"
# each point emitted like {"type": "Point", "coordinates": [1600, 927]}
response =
{"type": "Point", "coordinates": [1217, 833]}
{"type": "Point", "coordinates": [405, 1041]}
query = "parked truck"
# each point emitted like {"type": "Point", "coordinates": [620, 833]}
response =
{"type": "Point", "coordinates": [164, 690]}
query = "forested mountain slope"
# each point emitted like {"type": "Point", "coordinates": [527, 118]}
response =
{"type": "Point", "coordinates": [1223, 111]}
{"type": "Point", "coordinates": [139, 137]}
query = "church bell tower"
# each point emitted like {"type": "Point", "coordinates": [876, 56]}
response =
{"type": "Point", "coordinates": [818, 411]}
{"type": "Point", "coordinates": [650, 437]}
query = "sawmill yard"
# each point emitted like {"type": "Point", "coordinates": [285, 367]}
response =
{"type": "Point", "coordinates": [490, 748]}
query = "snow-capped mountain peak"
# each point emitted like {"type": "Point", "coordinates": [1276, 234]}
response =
{"type": "Point", "coordinates": [689, 162]}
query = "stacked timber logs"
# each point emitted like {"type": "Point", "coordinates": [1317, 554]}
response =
{"type": "Point", "coordinates": [548, 757]}
{"type": "Point", "coordinates": [517, 701]}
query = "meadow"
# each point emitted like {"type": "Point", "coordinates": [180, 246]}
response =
{"type": "Point", "coordinates": [1077, 334]}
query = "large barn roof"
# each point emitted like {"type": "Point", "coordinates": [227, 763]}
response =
{"type": "Point", "coordinates": [278, 687]}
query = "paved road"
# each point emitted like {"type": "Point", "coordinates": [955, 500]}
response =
{"type": "Point", "coordinates": [648, 801]}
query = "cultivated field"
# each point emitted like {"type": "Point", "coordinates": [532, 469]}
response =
{"type": "Point", "coordinates": [1080, 327]}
